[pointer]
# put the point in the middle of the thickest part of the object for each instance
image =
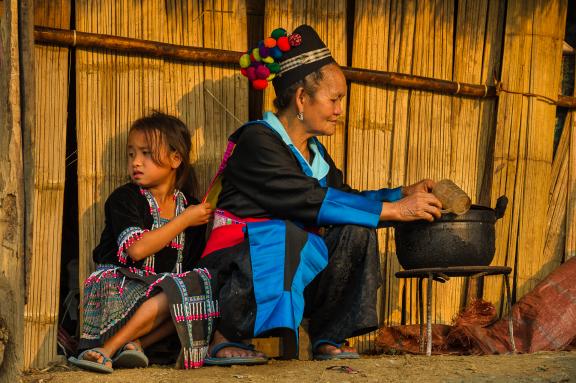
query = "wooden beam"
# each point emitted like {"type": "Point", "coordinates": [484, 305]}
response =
{"type": "Point", "coordinates": [220, 56]}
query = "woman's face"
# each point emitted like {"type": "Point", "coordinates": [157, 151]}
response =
{"type": "Point", "coordinates": [323, 109]}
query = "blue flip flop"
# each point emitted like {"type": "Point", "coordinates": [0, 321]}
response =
{"type": "Point", "coordinates": [130, 358]}
{"type": "Point", "coordinates": [341, 355]}
{"type": "Point", "coordinates": [91, 365]}
{"type": "Point", "coordinates": [245, 360]}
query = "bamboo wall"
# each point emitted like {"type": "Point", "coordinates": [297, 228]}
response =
{"type": "Point", "coordinates": [388, 136]}
{"type": "Point", "coordinates": [113, 90]}
{"type": "Point", "coordinates": [522, 161]}
{"type": "Point", "coordinates": [328, 18]}
{"type": "Point", "coordinates": [49, 152]}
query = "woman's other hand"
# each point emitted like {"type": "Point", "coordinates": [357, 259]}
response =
{"type": "Point", "coordinates": [417, 206]}
{"type": "Point", "coordinates": [423, 186]}
{"type": "Point", "coordinates": [198, 214]}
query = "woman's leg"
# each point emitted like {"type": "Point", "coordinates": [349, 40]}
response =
{"type": "Point", "coordinates": [341, 301]}
{"type": "Point", "coordinates": [149, 316]}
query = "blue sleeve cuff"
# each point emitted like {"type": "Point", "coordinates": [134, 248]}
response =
{"type": "Point", "coordinates": [341, 208]}
{"type": "Point", "coordinates": [384, 195]}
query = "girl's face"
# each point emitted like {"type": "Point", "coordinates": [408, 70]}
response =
{"type": "Point", "coordinates": [322, 111]}
{"type": "Point", "coordinates": [141, 166]}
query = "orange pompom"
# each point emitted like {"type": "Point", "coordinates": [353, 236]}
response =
{"type": "Point", "coordinates": [269, 42]}
{"type": "Point", "coordinates": [283, 44]}
{"type": "Point", "coordinates": [259, 84]}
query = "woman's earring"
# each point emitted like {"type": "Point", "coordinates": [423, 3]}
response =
{"type": "Point", "coordinates": [300, 116]}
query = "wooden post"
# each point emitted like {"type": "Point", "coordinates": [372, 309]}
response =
{"type": "Point", "coordinates": [11, 197]}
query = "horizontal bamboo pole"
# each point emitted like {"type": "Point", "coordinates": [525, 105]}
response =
{"type": "Point", "coordinates": [220, 56]}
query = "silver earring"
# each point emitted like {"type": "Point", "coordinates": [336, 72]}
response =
{"type": "Point", "coordinates": [300, 116]}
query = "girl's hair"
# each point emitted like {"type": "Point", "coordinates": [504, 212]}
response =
{"type": "Point", "coordinates": [309, 83]}
{"type": "Point", "coordinates": [161, 129]}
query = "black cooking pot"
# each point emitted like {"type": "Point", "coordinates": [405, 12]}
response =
{"type": "Point", "coordinates": [452, 240]}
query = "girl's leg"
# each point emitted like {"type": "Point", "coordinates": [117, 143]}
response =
{"type": "Point", "coordinates": [159, 333]}
{"type": "Point", "coordinates": [150, 315]}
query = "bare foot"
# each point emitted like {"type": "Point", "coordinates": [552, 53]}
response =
{"type": "Point", "coordinates": [133, 345]}
{"type": "Point", "coordinates": [328, 349]}
{"type": "Point", "coordinates": [93, 356]}
{"type": "Point", "coordinates": [231, 352]}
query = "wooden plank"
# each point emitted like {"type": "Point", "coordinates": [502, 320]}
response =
{"type": "Point", "coordinates": [328, 18]}
{"type": "Point", "coordinates": [12, 256]}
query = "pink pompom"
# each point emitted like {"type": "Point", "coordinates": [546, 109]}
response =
{"type": "Point", "coordinates": [251, 73]}
{"type": "Point", "coordinates": [262, 72]}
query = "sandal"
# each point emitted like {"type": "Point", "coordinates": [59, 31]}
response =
{"type": "Point", "coordinates": [134, 358]}
{"type": "Point", "coordinates": [229, 361]}
{"type": "Point", "coordinates": [90, 364]}
{"type": "Point", "coordinates": [340, 355]}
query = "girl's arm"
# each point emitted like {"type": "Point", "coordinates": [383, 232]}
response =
{"type": "Point", "coordinates": [155, 240]}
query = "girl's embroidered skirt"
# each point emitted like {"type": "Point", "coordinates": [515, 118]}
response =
{"type": "Point", "coordinates": [113, 294]}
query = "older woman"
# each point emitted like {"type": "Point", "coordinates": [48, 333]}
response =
{"type": "Point", "coordinates": [290, 238]}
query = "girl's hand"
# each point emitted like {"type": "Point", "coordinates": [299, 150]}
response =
{"type": "Point", "coordinates": [423, 186]}
{"type": "Point", "coordinates": [198, 214]}
{"type": "Point", "coordinates": [412, 208]}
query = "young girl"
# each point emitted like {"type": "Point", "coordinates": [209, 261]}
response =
{"type": "Point", "coordinates": [144, 287]}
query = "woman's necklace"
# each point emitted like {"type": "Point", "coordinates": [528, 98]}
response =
{"type": "Point", "coordinates": [178, 242]}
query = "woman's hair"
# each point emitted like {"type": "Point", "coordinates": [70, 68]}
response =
{"type": "Point", "coordinates": [162, 129]}
{"type": "Point", "coordinates": [309, 83]}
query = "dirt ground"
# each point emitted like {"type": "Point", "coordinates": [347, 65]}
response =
{"type": "Point", "coordinates": [539, 367]}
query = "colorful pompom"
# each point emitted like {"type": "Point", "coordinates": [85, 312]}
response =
{"type": "Point", "coordinates": [262, 72]}
{"type": "Point", "coordinates": [276, 52]}
{"type": "Point", "coordinates": [278, 32]}
{"type": "Point", "coordinates": [295, 39]}
{"type": "Point", "coordinates": [256, 54]}
{"type": "Point", "coordinates": [260, 65]}
{"type": "Point", "coordinates": [269, 42]}
{"type": "Point", "coordinates": [263, 52]}
{"type": "Point", "coordinates": [259, 84]}
{"type": "Point", "coordinates": [244, 61]}
{"type": "Point", "coordinates": [274, 67]}
{"type": "Point", "coordinates": [251, 73]}
{"type": "Point", "coordinates": [283, 44]}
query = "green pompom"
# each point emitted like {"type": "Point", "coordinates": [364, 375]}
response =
{"type": "Point", "coordinates": [278, 32]}
{"type": "Point", "coordinates": [245, 61]}
{"type": "Point", "coordinates": [274, 67]}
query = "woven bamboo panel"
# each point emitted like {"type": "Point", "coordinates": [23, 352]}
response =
{"type": "Point", "coordinates": [49, 153]}
{"type": "Point", "coordinates": [556, 224]}
{"type": "Point", "coordinates": [114, 90]}
{"type": "Point", "coordinates": [397, 136]}
{"type": "Point", "coordinates": [328, 18]}
{"type": "Point", "coordinates": [524, 138]}
{"type": "Point", "coordinates": [570, 247]}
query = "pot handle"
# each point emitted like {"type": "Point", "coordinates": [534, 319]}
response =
{"type": "Point", "coordinates": [500, 208]}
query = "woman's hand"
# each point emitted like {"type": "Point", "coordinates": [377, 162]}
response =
{"type": "Point", "coordinates": [414, 207]}
{"type": "Point", "coordinates": [197, 215]}
{"type": "Point", "coordinates": [423, 186]}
